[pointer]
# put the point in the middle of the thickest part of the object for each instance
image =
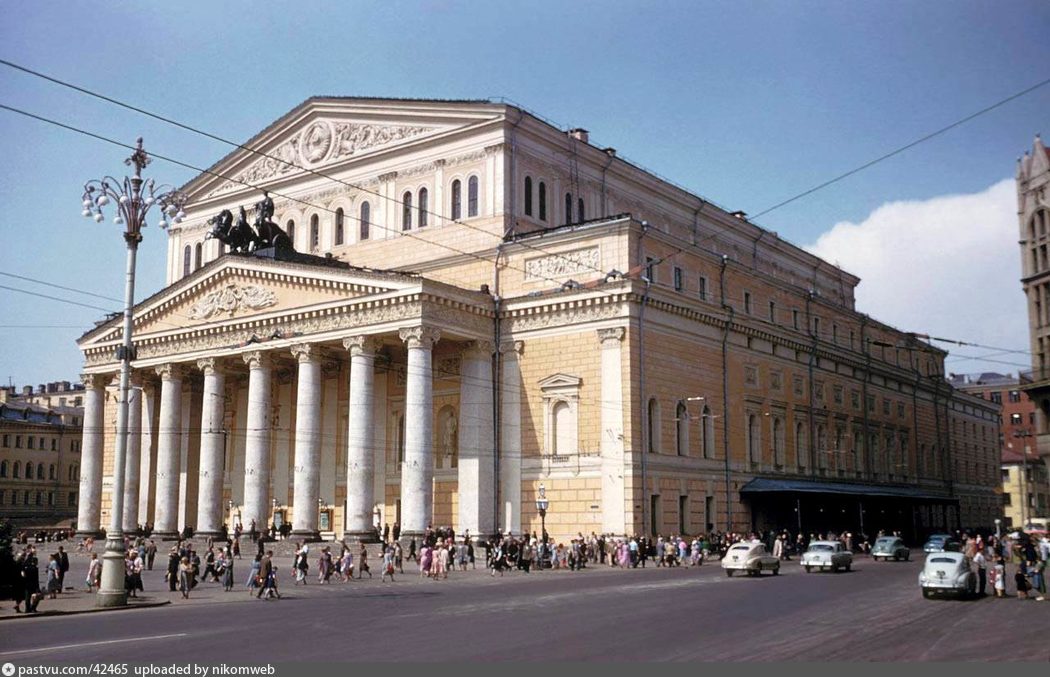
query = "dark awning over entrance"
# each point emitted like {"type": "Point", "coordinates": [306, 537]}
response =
{"type": "Point", "coordinates": [763, 485]}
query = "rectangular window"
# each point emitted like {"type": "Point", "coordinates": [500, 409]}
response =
{"type": "Point", "coordinates": [747, 302]}
{"type": "Point", "coordinates": [683, 515]}
{"type": "Point", "coordinates": [816, 327]}
{"type": "Point", "coordinates": [772, 312]}
{"type": "Point", "coordinates": [794, 319]}
{"type": "Point", "coordinates": [852, 339]}
{"type": "Point", "coordinates": [1015, 396]}
{"type": "Point", "coordinates": [677, 278]}
{"type": "Point", "coordinates": [7, 441]}
{"type": "Point", "coordinates": [29, 442]}
{"type": "Point", "coordinates": [854, 398]}
{"type": "Point", "coordinates": [835, 333]}
{"type": "Point", "coordinates": [1015, 419]}
{"type": "Point", "coordinates": [703, 288]}
{"type": "Point", "coordinates": [650, 269]}
{"type": "Point", "coordinates": [54, 444]}
{"type": "Point", "coordinates": [73, 501]}
{"type": "Point", "coordinates": [654, 514]}
{"type": "Point", "coordinates": [997, 397]}
{"type": "Point", "coordinates": [709, 512]}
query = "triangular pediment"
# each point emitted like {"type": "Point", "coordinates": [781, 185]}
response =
{"type": "Point", "coordinates": [560, 381]}
{"type": "Point", "coordinates": [323, 133]}
{"type": "Point", "coordinates": [237, 288]}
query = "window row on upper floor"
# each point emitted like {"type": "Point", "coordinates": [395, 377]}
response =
{"type": "Point", "coordinates": [10, 441]}
{"type": "Point", "coordinates": [36, 498]}
{"type": "Point", "coordinates": [573, 207]}
{"type": "Point", "coordinates": [16, 471]}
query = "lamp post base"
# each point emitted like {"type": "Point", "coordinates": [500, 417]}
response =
{"type": "Point", "coordinates": [111, 591]}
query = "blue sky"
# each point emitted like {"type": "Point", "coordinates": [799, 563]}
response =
{"type": "Point", "coordinates": [743, 103]}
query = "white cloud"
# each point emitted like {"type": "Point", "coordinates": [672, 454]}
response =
{"type": "Point", "coordinates": [948, 266]}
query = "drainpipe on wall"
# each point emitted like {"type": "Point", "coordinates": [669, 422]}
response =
{"type": "Point", "coordinates": [725, 389]}
{"type": "Point", "coordinates": [497, 391]}
{"type": "Point", "coordinates": [643, 408]}
{"type": "Point", "coordinates": [866, 348]}
{"type": "Point", "coordinates": [810, 369]}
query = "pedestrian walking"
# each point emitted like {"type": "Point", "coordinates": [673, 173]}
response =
{"type": "Point", "coordinates": [388, 563]}
{"type": "Point", "coordinates": [54, 575]}
{"type": "Point", "coordinates": [227, 570]}
{"type": "Point", "coordinates": [133, 573]}
{"type": "Point", "coordinates": [185, 577]}
{"type": "Point", "coordinates": [982, 572]}
{"type": "Point", "coordinates": [362, 565]}
{"type": "Point", "coordinates": [30, 576]}
{"type": "Point", "coordinates": [1000, 577]}
{"type": "Point", "coordinates": [94, 572]}
{"type": "Point", "coordinates": [63, 568]}
{"type": "Point", "coordinates": [254, 575]}
{"type": "Point", "coordinates": [151, 554]}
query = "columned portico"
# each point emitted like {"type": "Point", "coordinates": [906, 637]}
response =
{"type": "Point", "coordinates": [257, 448]}
{"type": "Point", "coordinates": [417, 474]}
{"type": "Point", "coordinates": [307, 460]}
{"type": "Point", "coordinates": [360, 465]}
{"type": "Point", "coordinates": [213, 449]}
{"type": "Point", "coordinates": [130, 518]}
{"type": "Point", "coordinates": [476, 448]}
{"type": "Point", "coordinates": [89, 513]}
{"type": "Point", "coordinates": [169, 437]}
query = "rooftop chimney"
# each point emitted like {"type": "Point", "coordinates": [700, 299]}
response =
{"type": "Point", "coordinates": [27, 391]}
{"type": "Point", "coordinates": [580, 134]}
{"type": "Point", "coordinates": [610, 151]}
{"type": "Point", "coordinates": [740, 215]}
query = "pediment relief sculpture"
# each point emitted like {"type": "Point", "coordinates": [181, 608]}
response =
{"type": "Point", "coordinates": [231, 298]}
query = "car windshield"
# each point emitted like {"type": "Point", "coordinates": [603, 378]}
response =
{"type": "Point", "coordinates": [821, 546]}
{"type": "Point", "coordinates": [937, 539]}
{"type": "Point", "coordinates": [885, 541]}
{"type": "Point", "coordinates": [741, 547]}
{"type": "Point", "coordinates": [943, 560]}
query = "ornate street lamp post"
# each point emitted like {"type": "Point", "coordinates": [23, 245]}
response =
{"type": "Point", "coordinates": [132, 199]}
{"type": "Point", "coordinates": [541, 506]}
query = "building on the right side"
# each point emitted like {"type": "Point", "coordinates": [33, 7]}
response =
{"type": "Point", "coordinates": [1033, 212]}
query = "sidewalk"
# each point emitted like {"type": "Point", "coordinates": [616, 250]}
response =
{"type": "Point", "coordinates": [76, 602]}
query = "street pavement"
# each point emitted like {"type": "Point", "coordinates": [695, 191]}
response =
{"type": "Point", "coordinates": [873, 613]}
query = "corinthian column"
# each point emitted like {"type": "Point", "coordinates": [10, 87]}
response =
{"type": "Point", "coordinates": [132, 458]}
{"type": "Point", "coordinates": [307, 466]}
{"type": "Point", "coordinates": [89, 510]}
{"type": "Point", "coordinates": [417, 474]}
{"type": "Point", "coordinates": [257, 444]}
{"type": "Point", "coordinates": [169, 443]}
{"type": "Point", "coordinates": [213, 449]}
{"type": "Point", "coordinates": [360, 437]}
{"type": "Point", "coordinates": [510, 436]}
{"type": "Point", "coordinates": [614, 514]}
{"type": "Point", "coordinates": [476, 442]}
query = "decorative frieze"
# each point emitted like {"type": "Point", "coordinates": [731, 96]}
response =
{"type": "Point", "coordinates": [564, 264]}
{"type": "Point", "coordinates": [231, 298]}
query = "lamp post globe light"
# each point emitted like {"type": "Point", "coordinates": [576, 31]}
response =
{"type": "Point", "coordinates": [541, 507]}
{"type": "Point", "coordinates": [132, 199]}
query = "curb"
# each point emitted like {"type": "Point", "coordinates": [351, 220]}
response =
{"type": "Point", "coordinates": [51, 613]}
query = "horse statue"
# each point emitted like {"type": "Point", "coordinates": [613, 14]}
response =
{"type": "Point", "coordinates": [239, 237]}
{"type": "Point", "coordinates": [269, 233]}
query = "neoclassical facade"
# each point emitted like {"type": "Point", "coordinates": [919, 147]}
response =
{"type": "Point", "coordinates": [483, 306]}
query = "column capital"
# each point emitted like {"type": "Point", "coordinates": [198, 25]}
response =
{"type": "Point", "coordinates": [169, 371]}
{"type": "Point", "coordinates": [306, 352]}
{"type": "Point", "coordinates": [479, 349]}
{"type": "Point", "coordinates": [257, 359]}
{"type": "Point", "coordinates": [612, 335]}
{"type": "Point", "coordinates": [361, 345]}
{"type": "Point", "coordinates": [93, 381]}
{"type": "Point", "coordinates": [389, 176]}
{"type": "Point", "coordinates": [420, 337]}
{"type": "Point", "coordinates": [516, 347]}
{"type": "Point", "coordinates": [210, 365]}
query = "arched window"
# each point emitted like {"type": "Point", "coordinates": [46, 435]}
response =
{"type": "Point", "coordinates": [25, 497]}
{"type": "Point", "coordinates": [3, 468]}
{"type": "Point", "coordinates": [17, 470]}
{"type": "Point", "coordinates": [564, 434]}
{"type": "Point", "coordinates": [339, 226]}
{"type": "Point", "coordinates": [29, 470]}
{"type": "Point", "coordinates": [580, 216]}
{"type": "Point", "coordinates": [315, 233]}
{"type": "Point", "coordinates": [39, 498]}
{"type": "Point", "coordinates": [707, 433]}
{"type": "Point", "coordinates": [681, 418]}
{"type": "Point", "coordinates": [198, 256]}
{"type": "Point", "coordinates": [424, 207]}
{"type": "Point", "coordinates": [187, 260]}
{"type": "Point", "coordinates": [40, 471]}
{"type": "Point", "coordinates": [528, 196]}
{"type": "Point", "coordinates": [800, 445]}
{"type": "Point", "coordinates": [51, 472]}
{"type": "Point", "coordinates": [290, 229]}
{"type": "Point", "coordinates": [778, 442]}
{"type": "Point", "coordinates": [653, 432]}
{"type": "Point", "coordinates": [568, 208]}
{"type": "Point", "coordinates": [472, 196]}
{"type": "Point", "coordinates": [406, 211]}
{"type": "Point", "coordinates": [457, 199]}
{"type": "Point", "coordinates": [543, 201]}
{"type": "Point", "coordinates": [754, 450]}
{"type": "Point", "coordinates": [822, 447]}
{"type": "Point", "coordinates": [366, 217]}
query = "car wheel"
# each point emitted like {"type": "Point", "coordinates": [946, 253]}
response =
{"type": "Point", "coordinates": [925, 593]}
{"type": "Point", "coordinates": [896, 558]}
{"type": "Point", "coordinates": [906, 556]}
{"type": "Point", "coordinates": [848, 565]}
{"type": "Point", "coordinates": [729, 572]}
{"type": "Point", "coordinates": [776, 572]}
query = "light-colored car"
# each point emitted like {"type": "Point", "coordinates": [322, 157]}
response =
{"type": "Point", "coordinates": [751, 557]}
{"type": "Point", "coordinates": [826, 556]}
{"type": "Point", "coordinates": [890, 546]}
{"type": "Point", "coordinates": [947, 573]}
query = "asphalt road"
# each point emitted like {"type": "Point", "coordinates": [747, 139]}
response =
{"type": "Point", "coordinates": [874, 613]}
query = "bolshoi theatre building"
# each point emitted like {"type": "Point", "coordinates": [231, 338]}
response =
{"type": "Point", "coordinates": [481, 308]}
